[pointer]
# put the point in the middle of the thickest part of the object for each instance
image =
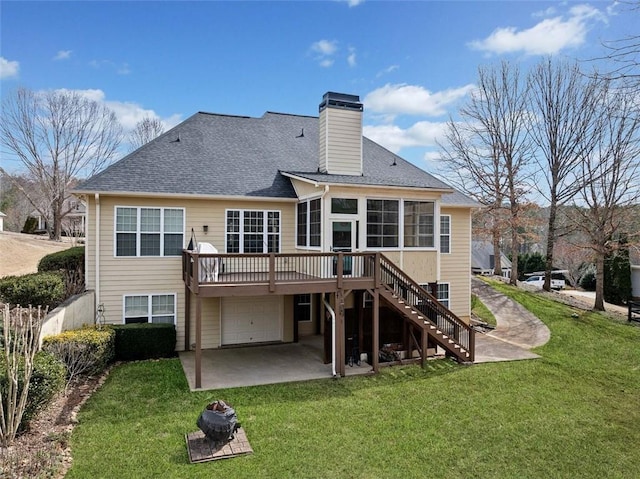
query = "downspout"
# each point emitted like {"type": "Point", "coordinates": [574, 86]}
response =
{"type": "Point", "coordinates": [333, 335]}
{"type": "Point", "coordinates": [97, 246]}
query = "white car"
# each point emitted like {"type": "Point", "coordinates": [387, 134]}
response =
{"type": "Point", "coordinates": [538, 281]}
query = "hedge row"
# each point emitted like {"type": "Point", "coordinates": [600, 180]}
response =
{"type": "Point", "coordinates": [36, 289]}
{"type": "Point", "coordinates": [70, 259]}
{"type": "Point", "coordinates": [83, 351]}
{"type": "Point", "coordinates": [144, 341]}
{"type": "Point", "coordinates": [47, 379]}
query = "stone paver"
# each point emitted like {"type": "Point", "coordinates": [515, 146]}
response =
{"type": "Point", "coordinates": [517, 330]}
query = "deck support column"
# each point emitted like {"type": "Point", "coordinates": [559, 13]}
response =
{"type": "Point", "coordinates": [340, 333]}
{"type": "Point", "coordinates": [187, 317]}
{"type": "Point", "coordinates": [198, 364]}
{"type": "Point", "coordinates": [376, 330]}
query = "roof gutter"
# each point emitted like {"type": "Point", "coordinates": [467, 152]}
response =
{"type": "Point", "coordinates": [142, 194]}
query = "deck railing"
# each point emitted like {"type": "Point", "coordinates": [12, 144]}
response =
{"type": "Point", "coordinates": [395, 280]}
{"type": "Point", "coordinates": [220, 269]}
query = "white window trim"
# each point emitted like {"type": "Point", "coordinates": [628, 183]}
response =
{"type": "Point", "coordinates": [400, 225]}
{"type": "Point", "coordinates": [149, 305]}
{"type": "Point", "coordinates": [308, 226]}
{"type": "Point", "coordinates": [401, 245]}
{"type": "Point", "coordinates": [310, 304]}
{"type": "Point", "coordinates": [265, 233]}
{"type": "Point", "coordinates": [138, 232]}
{"type": "Point", "coordinates": [448, 299]}
{"type": "Point", "coordinates": [448, 234]}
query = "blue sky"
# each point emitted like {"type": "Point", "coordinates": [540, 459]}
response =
{"type": "Point", "coordinates": [412, 63]}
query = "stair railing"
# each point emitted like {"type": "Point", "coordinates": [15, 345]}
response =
{"type": "Point", "coordinates": [396, 281]}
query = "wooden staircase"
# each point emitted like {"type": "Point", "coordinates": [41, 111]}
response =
{"type": "Point", "coordinates": [425, 312]}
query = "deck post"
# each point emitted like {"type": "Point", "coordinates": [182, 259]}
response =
{"type": "Point", "coordinates": [425, 346]}
{"type": "Point", "coordinates": [340, 333]}
{"type": "Point", "coordinates": [187, 316]}
{"type": "Point", "coordinates": [376, 326]}
{"type": "Point", "coordinates": [198, 364]}
{"type": "Point", "coordinates": [196, 273]}
{"type": "Point", "coordinates": [340, 269]}
{"type": "Point", "coordinates": [376, 272]}
{"type": "Point", "coordinates": [272, 272]}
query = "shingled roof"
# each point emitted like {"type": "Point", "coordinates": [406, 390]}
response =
{"type": "Point", "coordinates": [224, 155]}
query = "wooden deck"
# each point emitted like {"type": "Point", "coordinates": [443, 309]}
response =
{"type": "Point", "coordinates": [426, 320]}
{"type": "Point", "coordinates": [220, 275]}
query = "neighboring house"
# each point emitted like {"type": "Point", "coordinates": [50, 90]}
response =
{"type": "Point", "coordinates": [2, 216]}
{"type": "Point", "coordinates": [73, 224]}
{"type": "Point", "coordinates": [304, 220]}
{"type": "Point", "coordinates": [483, 260]}
{"type": "Point", "coordinates": [634, 258]}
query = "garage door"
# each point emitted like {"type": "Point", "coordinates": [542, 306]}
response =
{"type": "Point", "coordinates": [251, 320]}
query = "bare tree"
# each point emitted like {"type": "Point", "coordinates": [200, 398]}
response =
{"type": "Point", "coordinates": [563, 103]}
{"type": "Point", "coordinates": [605, 206]}
{"type": "Point", "coordinates": [20, 342]}
{"type": "Point", "coordinates": [146, 130]}
{"type": "Point", "coordinates": [624, 54]}
{"type": "Point", "coordinates": [14, 203]}
{"type": "Point", "coordinates": [489, 151]}
{"type": "Point", "coordinates": [58, 136]}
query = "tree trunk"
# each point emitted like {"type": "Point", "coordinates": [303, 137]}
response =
{"type": "Point", "coordinates": [515, 246]}
{"type": "Point", "coordinates": [551, 236]}
{"type": "Point", "coordinates": [497, 254]}
{"type": "Point", "coordinates": [599, 303]}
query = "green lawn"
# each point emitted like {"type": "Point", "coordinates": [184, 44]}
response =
{"type": "Point", "coordinates": [481, 311]}
{"type": "Point", "coordinates": [575, 413]}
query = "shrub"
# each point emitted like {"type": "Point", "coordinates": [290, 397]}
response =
{"type": "Point", "coordinates": [83, 351]}
{"type": "Point", "coordinates": [47, 379]}
{"type": "Point", "coordinates": [588, 278]}
{"type": "Point", "coordinates": [71, 259]}
{"type": "Point", "coordinates": [70, 263]}
{"type": "Point", "coordinates": [144, 341]}
{"type": "Point", "coordinates": [30, 225]}
{"type": "Point", "coordinates": [37, 289]}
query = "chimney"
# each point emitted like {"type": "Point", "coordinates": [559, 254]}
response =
{"type": "Point", "coordinates": [340, 134]}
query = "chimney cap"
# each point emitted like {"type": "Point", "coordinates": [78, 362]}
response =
{"type": "Point", "coordinates": [340, 100]}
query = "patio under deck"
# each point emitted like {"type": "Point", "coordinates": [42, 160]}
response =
{"type": "Point", "coordinates": [256, 365]}
{"type": "Point", "coordinates": [426, 321]}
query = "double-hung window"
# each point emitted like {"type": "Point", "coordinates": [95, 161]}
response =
{"type": "Point", "coordinates": [443, 294]}
{"type": "Point", "coordinates": [253, 231]}
{"type": "Point", "coordinates": [419, 224]}
{"type": "Point", "coordinates": [150, 308]}
{"type": "Point", "coordinates": [445, 234]}
{"type": "Point", "coordinates": [382, 223]}
{"type": "Point", "coordinates": [142, 231]}
{"type": "Point", "coordinates": [309, 227]}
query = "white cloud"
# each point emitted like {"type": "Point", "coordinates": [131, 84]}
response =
{"type": "Point", "coordinates": [8, 68]}
{"type": "Point", "coordinates": [353, 3]}
{"type": "Point", "coordinates": [351, 59]}
{"type": "Point", "coordinates": [63, 55]}
{"type": "Point", "coordinates": [394, 138]}
{"type": "Point", "coordinates": [324, 52]}
{"type": "Point", "coordinates": [389, 69]}
{"type": "Point", "coordinates": [549, 36]}
{"type": "Point", "coordinates": [128, 113]}
{"type": "Point", "coordinates": [325, 47]}
{"type": "Point", "coordinates": [402, 99]}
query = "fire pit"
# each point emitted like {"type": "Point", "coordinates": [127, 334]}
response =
{"type": "Point", "coordinates": [218, 422]}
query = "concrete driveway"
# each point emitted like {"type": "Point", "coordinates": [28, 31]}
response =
{"type": "Point", "coordinates": [517, 329]}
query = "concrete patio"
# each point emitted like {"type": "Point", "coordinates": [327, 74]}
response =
{"type": "Point", "coordinates": [252, 366]}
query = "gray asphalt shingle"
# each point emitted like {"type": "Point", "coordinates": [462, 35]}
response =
{"type": "Point", "coordinates": [213, 154]}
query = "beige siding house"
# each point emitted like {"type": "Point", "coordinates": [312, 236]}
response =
{"type": "Point", "coordinates": [246, 231]}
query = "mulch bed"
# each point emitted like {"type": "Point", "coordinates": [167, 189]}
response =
{"type": "Point", "coordinates": [44, 450]}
